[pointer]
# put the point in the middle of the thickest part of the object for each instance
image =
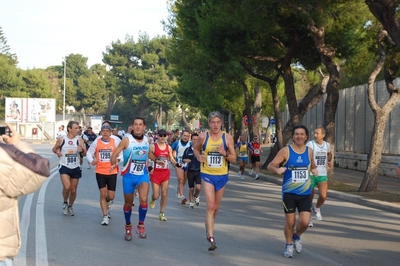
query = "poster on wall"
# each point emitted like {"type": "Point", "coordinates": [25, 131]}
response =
{"type": "Point", "coordinates": [36, 110]}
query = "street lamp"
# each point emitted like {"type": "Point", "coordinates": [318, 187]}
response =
{"type": "Point", "coordinates": [65, 63]}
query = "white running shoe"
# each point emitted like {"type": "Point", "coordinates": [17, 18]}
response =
{"type": "Point", "coordinates": [191, 205]}
{"type": "Point", "coordinates": [105, 220]}
{"type": "Point", "coordinates": [70, 211]}
{"type": "Point", "coordinates": [257, 177]}
{"type": "Point", "coordinates": [288, 253]}
{"type": "Point", "coordinates": [297, 245]}
{"type": "Point", "coordinates": [197, 200]}
{"type": "Point", "coordinates": [250, 171]}
{"type": "Point", "coordinates": [310, 224]}
{"type": "Point", "coordinates": [65, 208]}
{"type": "Point", "coordinates": [317, 212]}
{"type": "Point", "coordinates": [136, 193]}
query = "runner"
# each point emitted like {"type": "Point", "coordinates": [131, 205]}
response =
{"type": "Point", "coordinates": [296, 186]}
{"type": "Point", "coordinates": [135, 147]}
{"type": "Point", "coordinates": [161, 174]}
{"type": "Point", "coordinates": [91, 136]}
{"type": "Point", "coordinates": [193, 172]}
{"type": "Point", "coordinates": [244, 148]}
{"type": "Point", "coordinates": [68, 148]}
{"type": "Point", "coordinates": [213, 150]}
{"type": "Point", "coordinates": [178, 148]}
{"type": "Point", "coordinates": [99, 155]}
{"type": "Point", "coordinates": [323, 159]}
{"type": "Point", "coordinates": [255, 156]}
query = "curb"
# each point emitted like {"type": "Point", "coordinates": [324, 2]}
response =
{"type": "Point", "coordinates": [360, 200]}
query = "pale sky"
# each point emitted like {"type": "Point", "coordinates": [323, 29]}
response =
{"type": "Point", "coordinates": [42, 32]}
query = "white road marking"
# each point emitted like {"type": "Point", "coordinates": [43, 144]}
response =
{"type": "Point", "coordinates": [41, 242]}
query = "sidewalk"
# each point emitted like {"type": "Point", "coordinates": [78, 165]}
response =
{"type": "Point", "coordinates": [350, 177]}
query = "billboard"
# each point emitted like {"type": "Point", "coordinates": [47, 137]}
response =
{"type": "Point", "coordinates": [34, 110]}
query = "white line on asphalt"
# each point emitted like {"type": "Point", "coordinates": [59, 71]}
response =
{"type": "Point", "coordinates": [20, 259]}
{"type": "Point", "coordinates": [41, 242]}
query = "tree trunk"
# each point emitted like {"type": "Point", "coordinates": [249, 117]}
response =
{"type": "Point", "coordinates": [185, 123]}
{"type": "Point", "coordinates": [159, 116]}
{"type": "Point", "coordinates": [386, 12]}
{"type": "Point", "coordinates": [247, 108]}
{"type": "Point", "coordinates": [257, 111]}
{"type": "Point", "coordinates": [370, 181]}
{"type": "Point", "coordinates": [381, 114]}
{"type": "Point", "coordinates": [332, 88]}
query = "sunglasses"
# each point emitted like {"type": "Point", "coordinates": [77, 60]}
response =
{"type": "Point", "coordinates": [162, 135]}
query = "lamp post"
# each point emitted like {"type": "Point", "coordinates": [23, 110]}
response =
{"type": "Point", "coordinates": [65, 64]}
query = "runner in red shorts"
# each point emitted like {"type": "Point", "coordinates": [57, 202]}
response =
{"type": "Point", "coordinates": [160, 174]}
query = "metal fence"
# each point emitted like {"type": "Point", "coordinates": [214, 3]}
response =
{"type": "Point", "coordinates": [355, 120]}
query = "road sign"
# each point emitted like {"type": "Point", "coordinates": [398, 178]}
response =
{"type": "Point", "coordinates": [246, 122]}
{"type": "Point", "coordinates": [272, 121]}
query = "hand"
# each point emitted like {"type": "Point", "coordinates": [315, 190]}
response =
{"type": "Point", "coordinates": [314, 171]}
{"type": "Point", "coordinates": [178, 165]}
{"type": "Point", "coordinates": [201, 158]}
{"type": "Point", "coordinates": [94, 162]}
{"type": "Point", "coordinates": [14, 138]}
{"type": "Point", "coordinates": [221, 149]}
{"type": "Point", "coordinates": [280, 170]}
{"type": "Point", "coordinates": [330, 164]}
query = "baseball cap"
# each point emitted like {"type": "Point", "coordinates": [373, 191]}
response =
{"type": "Point", "coordinates": [162, 132]}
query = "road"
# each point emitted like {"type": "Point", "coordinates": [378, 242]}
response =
{"type": "Point", "coordinates": [249, 230]}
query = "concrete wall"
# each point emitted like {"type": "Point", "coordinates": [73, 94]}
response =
{"type": "Point", "coordinates": [358, 161]}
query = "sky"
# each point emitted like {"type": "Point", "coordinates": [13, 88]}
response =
{"type": "Point", "coordinates": [42, 32]}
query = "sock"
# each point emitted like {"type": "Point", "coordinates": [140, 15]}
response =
{"type": "Point", "coordinates": [127, 213]}
{"type": "Point", "coordinates": [142, 212]}
{"type": "Point", "coordinates": [295, 236]}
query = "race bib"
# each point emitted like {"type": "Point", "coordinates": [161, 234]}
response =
{"type": "Point", "coordinates": [214, 160]}
{"type": "Point", "coordinates": [105, 155]}
{"type": "Point", "coordinates": [256, 151]}
{"type": "Point", "coordinates": [299, 174]}
{"type": "Point", "coordinates": [137, 167]}
{"type": "Point", "coordinates": [70, 159]}
{"type": "Point", "coordinates": [179, 159]}
{"type": "Point", "coordinates": [320, 158]}
{"type": "Point", "coordinates": [164, 159]}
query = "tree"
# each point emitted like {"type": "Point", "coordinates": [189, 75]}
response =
{"type": "Point", "coordinates": [386, 12]}
{"type": "Point", "coordinates": [5, 48]}
{"type": "Point", "coordinates": [381, 114]}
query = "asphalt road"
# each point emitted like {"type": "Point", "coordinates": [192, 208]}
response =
{"type": "Point", "coordinates": [249, 230]}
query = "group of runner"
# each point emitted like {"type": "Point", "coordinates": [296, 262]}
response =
{"type": "Point", "coordinates": [204, 160]}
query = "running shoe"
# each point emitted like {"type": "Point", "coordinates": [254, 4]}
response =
{"type": "Point", "coordinates": [141, 231]}
{"type": "Point", "coordinates": [239, 175]}
{"type": "Point", "coordinates": [128, 232]}
{"type": "Point", "coordinates": [213, 245]}
{"type": "Point", "coordinates": [105, 220]}
{"type": "Point", "coordinates": [197, 200]}
{"type": "Point", "coordinates": [162, 217]}
{"type": "Point", "coordinates": [250, 171]}
{"type": "Point", "coordinates": [257, 177]}
{"type": "Point", "coordinates": [70, 211]}
{"type": "Point", "coordinates": [317, 212]}
{"type": "Point", "coordinates": [152, 203]}
{"type": "Point", "coordinates": [183, 200]}
{"type": "Point", "coordinates": [297, 245]}
{"type": "Point", "coordinates": [191, 205]}
{"type": "Point", "coordinates": [88, 167]}
{"type": "Point", "coordinates": [65, 206]}
{"type": "Point", "coordinates": [136, 193]}
{"type": "Point", "coordinates": [310, 224]}
{"type": "Point", "coordinates": [288, 253]}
